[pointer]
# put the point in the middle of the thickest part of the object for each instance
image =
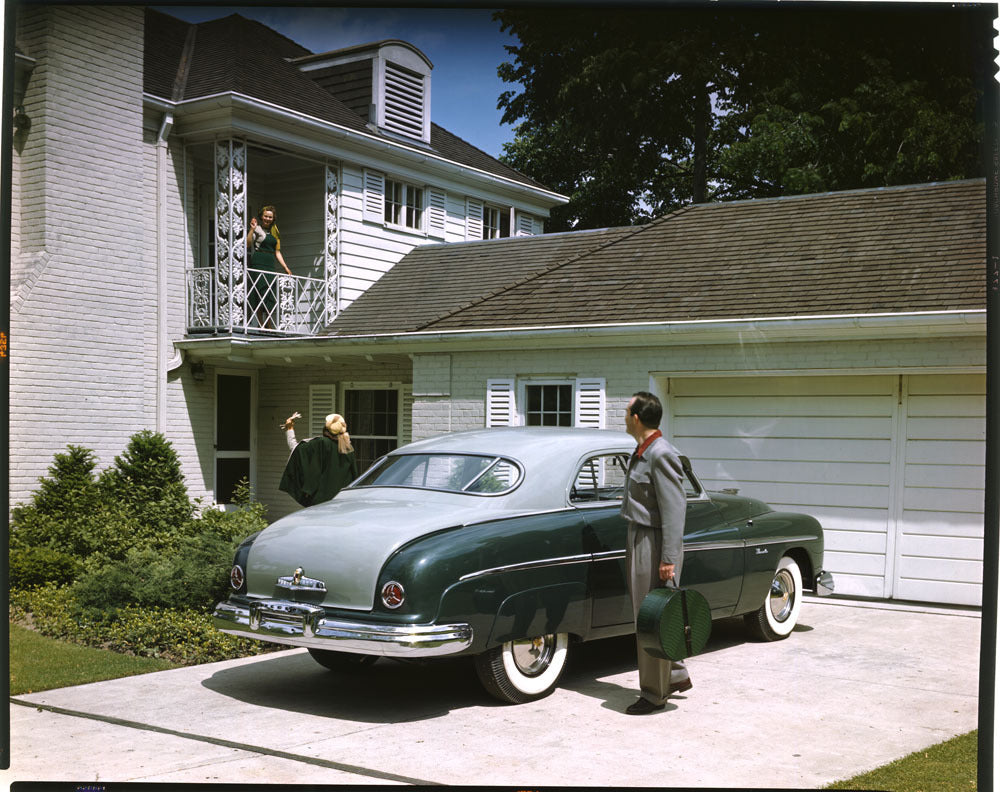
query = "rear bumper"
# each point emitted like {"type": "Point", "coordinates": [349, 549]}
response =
{"type": "Point", "coordinates": [300, 624]}
{"type": "Point", "coordinates": [824, 583]}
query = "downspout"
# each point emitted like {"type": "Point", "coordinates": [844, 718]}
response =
{"type": "Point", "coordinates": [163, 345]}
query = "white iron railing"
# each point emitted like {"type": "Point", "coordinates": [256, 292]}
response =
{"type": "Point", "coordinates": [265, 303]}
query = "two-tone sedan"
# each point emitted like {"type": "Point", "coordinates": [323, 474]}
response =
{"type": "Point", "coordinates": [505, 545]}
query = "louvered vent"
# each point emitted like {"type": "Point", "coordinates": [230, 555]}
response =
{"type": "Point", "coordinates": [404, 101]}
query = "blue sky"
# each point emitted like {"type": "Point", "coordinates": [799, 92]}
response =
{"type": "Point", "coordinates": [464, 44]}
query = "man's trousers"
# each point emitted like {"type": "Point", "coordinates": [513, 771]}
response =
{"type": "Point", "coordinates": [642, 564]}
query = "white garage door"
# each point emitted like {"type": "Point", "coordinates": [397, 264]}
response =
{"type": "Point", "coordinates": [853, 451]}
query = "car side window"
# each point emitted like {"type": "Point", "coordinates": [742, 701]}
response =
{"type": "Point", "coordinates": [600, 478]}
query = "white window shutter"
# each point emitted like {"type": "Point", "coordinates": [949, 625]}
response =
{"type": "Point", "coordinates": [589, 406]}
{"type": "Point", "coordinates": [374, 197]}
{"type": "Point", "coordinates": [525, 224]}
{"type": "Point", "coordinates": [322, 402]}
{"type": "Point", "coordinates": [473, 219]}
{"type": "Point", "coordinates": [437, 212]}
{"type": "Point", "coordinates": [500, 403]}
{"type": "Point", "coordinates": [405, 415]}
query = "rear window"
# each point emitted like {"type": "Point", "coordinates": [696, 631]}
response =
{"type": "Point", "coordinates": [469, 473]}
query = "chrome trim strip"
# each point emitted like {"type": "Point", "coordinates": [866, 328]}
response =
{"type": "Point", "coordinates": [545, 562]}
{"type": "Point", "coordinates": [780, 540]}
{"type": "Point", "coordinates": [298, 624]}
{"type": "Point", "coordinates": [694, 547]}
{"type": "Point", "coordinates": [304, 584]}
{"type": "Point", "coordinates": [608, 555]}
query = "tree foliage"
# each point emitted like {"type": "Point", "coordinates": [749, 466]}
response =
{"type": "Point", "coordinates": [636, 112]}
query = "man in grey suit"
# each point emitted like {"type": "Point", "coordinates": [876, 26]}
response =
{"type": "Point", "coordinates": [655, 506]}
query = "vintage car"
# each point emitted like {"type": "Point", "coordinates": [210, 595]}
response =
{"type": "Point", "coordinates": [507, 545]}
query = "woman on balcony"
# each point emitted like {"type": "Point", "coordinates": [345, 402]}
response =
{"type": "Point", "coordinates": [265, 257]}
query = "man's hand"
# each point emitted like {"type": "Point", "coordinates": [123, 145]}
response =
{"type": "Point", "coordinates": [666, 572]}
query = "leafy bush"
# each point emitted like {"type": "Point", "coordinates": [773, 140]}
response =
{"type": "Point", "coordinates": [181, 636]}
{"type": "Point", "coordinates": [36, 566]}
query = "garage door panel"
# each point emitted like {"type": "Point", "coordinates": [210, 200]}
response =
{"type": "Point", "coordinates": [853, 585]}
{"type": "Point", "coordinates": [945, 452]}
{"type": "Point", "coordinates": [807, 385]}
{"type": "Point", "coordinates": [812, 495]}
{"type": "Point", "coordinates": [815, 428]}
{"type": "Point", "coordinates": [958, 476]}
{"type": "Point", "coordinates": [949, 385]}
{"type": "Point", "coordinates": [783, 449]}
{"type": "Point", "coordinates": [817, 406]}
{"type": "Point", "coordinates": [937, 547]}
{"type": "Point", "coordinates": [947, 428]}
{"type": "Point", "coordinates": [748, 472]}
{"type": "Point", "coordinates": [939, 591]}
{"type": "Point", "coordinates": [938, 499]}
{"type": "Point", "coordinates": [854, 541]}
{"type": "Point", "coordinates": [938, 570]}
{"type": "Point", "coordinates": [944, 523]}
{"type": "Point", "coordinates": [838, 518]}
{"type": "Point", "coordinates": [857, 563]}
{"type": "Point", "coordinates": [952, 405]}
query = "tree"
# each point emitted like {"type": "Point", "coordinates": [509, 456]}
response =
{"type": "Point", "coordinates": [633, 113]}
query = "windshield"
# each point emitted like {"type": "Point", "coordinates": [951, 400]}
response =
{"type": "Point", "coordinates": [468, 473]}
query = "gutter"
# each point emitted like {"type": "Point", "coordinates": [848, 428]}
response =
{"type": "Point", "coordinates": [413, 154]}
{"type": "Point", "coordinates": [689, 332]}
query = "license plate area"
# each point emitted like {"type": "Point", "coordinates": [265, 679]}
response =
{"type": "Point", "coordinates": [287, 618]}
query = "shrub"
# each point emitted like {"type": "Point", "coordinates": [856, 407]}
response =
{"type": "Point", "coordinates": [36, 566]}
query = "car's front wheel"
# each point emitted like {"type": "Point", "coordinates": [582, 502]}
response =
{"type": "Point", "coordinates": [777, 616]}
{"type": "Point", "coordinates": [520, 671]}
{"type": "Point", "coordinates": [343, 661]}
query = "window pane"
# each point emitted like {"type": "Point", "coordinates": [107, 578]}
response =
{"type": "Point", "coordinates": [449, 472]}
{"type": "Point", "coordinates": [228, 473]}
{"type": "Point", "coordinates": [232, 418]}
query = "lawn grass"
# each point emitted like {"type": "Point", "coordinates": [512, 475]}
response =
{"type": "Point", "coordinates": [41, 663]}
{"type": "Point", "coordinates": [946, 767]}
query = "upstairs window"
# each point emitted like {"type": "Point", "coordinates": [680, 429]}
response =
{"type": "Point", "coordinates": [403, 204]}
{"type": "Point", "coordinates": [496, 223]}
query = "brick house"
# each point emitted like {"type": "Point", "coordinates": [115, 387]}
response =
{"type": "Point", "coordinates": [144, 146]}
{"type": "Point", "coordinates": [825, 353]}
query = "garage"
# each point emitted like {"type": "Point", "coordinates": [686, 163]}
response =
{"type": "Point", "coordinates": [892, 465]}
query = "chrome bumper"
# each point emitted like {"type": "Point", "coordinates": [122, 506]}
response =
{"type": "Point", "coordinates": [299, 624]}
{"type": "Point", "coordinates": [824, 584]}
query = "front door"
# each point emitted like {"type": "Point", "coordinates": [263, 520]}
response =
{"type": "Point", "coordinates": [233, 409]}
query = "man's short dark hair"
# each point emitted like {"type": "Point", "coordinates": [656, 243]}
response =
{"type": "Point", "coordinates": [647, 409]}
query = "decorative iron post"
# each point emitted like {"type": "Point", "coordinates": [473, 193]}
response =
{"type": "Point", "coordinates": [230, 232]}
{"type": "Point", "coordinates": [331, 251]}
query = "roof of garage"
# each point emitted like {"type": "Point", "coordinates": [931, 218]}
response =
{"type": "Point", "coordinates": [888, 250]}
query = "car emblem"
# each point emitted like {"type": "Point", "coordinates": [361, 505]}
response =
{"type": "Point", "coordinates": [297, 577]}
{"type": "Point", "coordinates": [297, 581]}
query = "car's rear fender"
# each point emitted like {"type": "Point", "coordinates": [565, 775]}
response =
{"type": "Point", "coordinates": [560, 607]}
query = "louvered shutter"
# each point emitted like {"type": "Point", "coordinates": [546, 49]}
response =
{"type": "Point", "coordinates": [500, 403]}
{"type": "Point", "coordinates": [589, 406]}
{"type": "Point", "coordinates": [405, 415]}
{"type": "Point", "coordinates": [525, 225]}
{"type": "Point", "coordinates": [473, 219]}
{"type": "Point", "coordinates": [374, 197]}
{"type": "Point", "coordinates": [322, 402]}
{"type": "Point", "coordinates": [437, 212]}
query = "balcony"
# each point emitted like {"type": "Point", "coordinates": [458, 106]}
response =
{"type": "Point", "coordinates": [258, 303]}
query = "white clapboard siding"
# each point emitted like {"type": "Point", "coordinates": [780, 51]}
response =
{"type": "Point", "coordinates": [322, 402]}
{"type": "Point", "coordinates": [819, 445]}
{"type": "Point", "coordinates": [500, 409]}
{"type": "Point", "coordinates": [939, 552]}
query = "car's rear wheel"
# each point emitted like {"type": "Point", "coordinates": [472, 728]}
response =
{"type": "Point", "coordinates": [520, 671]}
{"type": "Point", "coordinates": [343, 661]}
{"type": "Point", "coordinates": [777, 616]}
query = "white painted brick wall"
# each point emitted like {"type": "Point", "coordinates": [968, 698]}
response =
{"type": "Point", "coordinates": [81, 335]}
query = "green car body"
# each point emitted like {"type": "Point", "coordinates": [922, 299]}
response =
{"type": "Point", "coordinates": [527, 559]}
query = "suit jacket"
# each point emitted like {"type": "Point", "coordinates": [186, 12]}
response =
{"type": "Point", "coordinates": [654, 496]}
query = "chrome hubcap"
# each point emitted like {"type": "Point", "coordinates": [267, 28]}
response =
{"type": "Point", "coordinates": [533, 656]}
{"type": "Point", "coordinates": [782, 597]}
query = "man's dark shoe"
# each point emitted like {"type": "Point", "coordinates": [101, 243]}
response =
{"type": "Point", "coordinates": [680, 687]}
{"type": "Point", "coordinates": [643, 707]}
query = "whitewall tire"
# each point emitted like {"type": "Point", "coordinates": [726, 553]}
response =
{"type": "Point", "coordinates": [520, 671]}
{"type": "Point", "coordinates": [779, 613]}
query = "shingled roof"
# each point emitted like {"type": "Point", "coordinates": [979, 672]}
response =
{"type": "Point", "coordinates": [234, 54]}
{"type": "Point", "coordinates": [434, 281]}
{"type": "Point", "coordinates": [888, 250]}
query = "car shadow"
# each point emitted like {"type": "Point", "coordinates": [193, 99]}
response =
{"type": "Point", "coordinates": [390, 691]}
{"type": "Point", "coordinates": [395, 691]}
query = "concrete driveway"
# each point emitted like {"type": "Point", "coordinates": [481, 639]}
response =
{"type": "Point", "coordinates": [857, 685]}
